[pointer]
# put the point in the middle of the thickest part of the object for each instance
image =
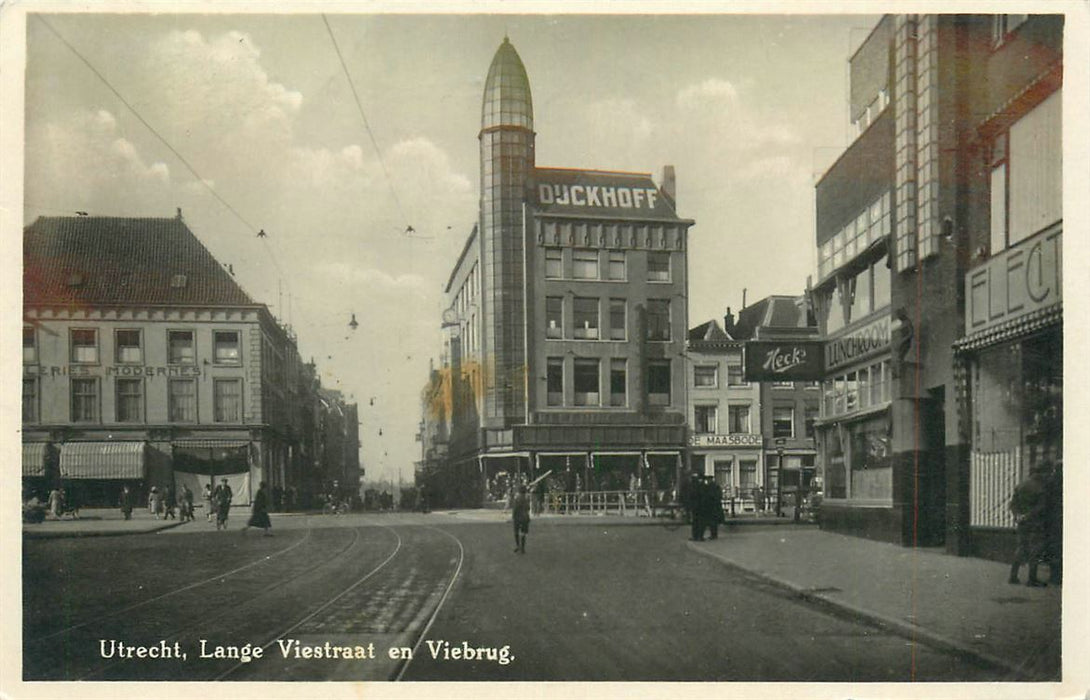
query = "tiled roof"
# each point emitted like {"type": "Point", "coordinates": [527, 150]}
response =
{"type": "Point", "coordinates": [110, 260]}
{"type": "Point", "coordinates": [770, 312]}
{"type": "Point", "coordinates": [709, 330]}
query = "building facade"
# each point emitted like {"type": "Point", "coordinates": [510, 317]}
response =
{"type": "Point", "coordinates": [909, 220]}
{"type": "Point", "coordinates": [145, 363]}
{"type": "Point", "coordinates": [567, 315]}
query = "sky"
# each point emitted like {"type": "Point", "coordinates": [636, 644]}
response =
{"type": "Point", "coordinates": [749, 109]}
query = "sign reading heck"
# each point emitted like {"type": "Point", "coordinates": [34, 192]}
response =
{"type": "Point", "coordinates": [770, 361]}
{"type": "Point", "coordinates": [600, 196]}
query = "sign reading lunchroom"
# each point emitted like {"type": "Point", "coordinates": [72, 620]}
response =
{"type": "Point", "coordinates": [858, 344]}
{"type": "Point", "coordinates": [782, 361]}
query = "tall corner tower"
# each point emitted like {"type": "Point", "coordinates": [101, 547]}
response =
{"type": "Point", "coordinates": [507, 162]}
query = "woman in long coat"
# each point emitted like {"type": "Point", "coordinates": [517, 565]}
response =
{"type": "Point", "coordinates": [259, 516]}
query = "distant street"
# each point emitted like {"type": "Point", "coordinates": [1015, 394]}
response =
{"type": "Point", "coordinates": [589, 601]}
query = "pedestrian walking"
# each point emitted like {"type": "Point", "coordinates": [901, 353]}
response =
{"type": "Point", "coordinates": [185, 504]}
{"type": "Point", "coordinates": [1028, 506]}
{"type": "Point", "coordinates": [126, 502]}
{"type": "Point", "coordinates": [259, 513]}
{"type": "Point", "coordinates": [56, 503]}
{"type": "Point", "coordinates": [520, 516]}
{"type": "Point", "coordinates": [222, 497]}
{"type": "Point", "coordinates": [209, 503]}
{"type": "Point", "coordinates": [155, 502]}
{"type": "Point", "coordinates": [169, 503]}
{"type": "Point", "coordinates": [714, 506]}
{"type": "Point", "coordinates": [696, 504]}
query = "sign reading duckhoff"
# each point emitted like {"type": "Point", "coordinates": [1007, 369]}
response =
{"type": "Point", "coordinates": [783, 361]}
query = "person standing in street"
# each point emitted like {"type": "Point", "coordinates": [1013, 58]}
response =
{"type": "Point", "coordinates": [222, 498]}
{"type": "Point", "coordinates": [1027, 504]}
{"type": "Point", "coordinates": [126, 502]}
{"type": "Point", "coordinates": [155, 502]}
{"type": "Point", "coordinates": [169, 503]}
{"type": "Point", "coordinates": [520, 516]}
{"type": "Point", "coordinates": [185, 504]}
{"type": "Point", "coordinates": [56, 503]}
{"type": "Point", "coordinates": [714, 507]}
{"type": "Point", "coordinates": [209, 503]}
{"type": "Point", "coordinates": [259, 514]}
{"type": "Point", "coordinates": [698, 507]}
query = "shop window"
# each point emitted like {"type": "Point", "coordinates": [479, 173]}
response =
{"type": "Point", "coordinates": [618, 382]}
{"type": "Point", "coordinates": [738, 419]}
{"type": "Point", "coordinates": [554, 263]}
{"type": "Point", "coordinates": [783, 421]}
{"type": "Point", "coordinates": [554, 317]}
{"type": "Point", "coordinates": [127, 347]}
{"type": "Point", "coordinates": [182, 401]}
{"type": "Point", "coordinates": [180, 349]}
{"type": "Point", "coordinates": [586, 382]}
{"type": "Point", "coordinates": [585, 264]}
{"type": "Point", "coordinates": [658, 266]}
{"type": "Point", "coordinates": [658, 319]}
{"type": "Point", "coordinates": [706, 376]}
{"type": "Point", "coordinates": [84, 344]}
{"type": "Point", "coordinates": [658, 382]}
{"type": "Point", "coordinates": [30, 346]}
{"type": "Point", "coordinates": [705, 419]}
{"type": "Point", "coordinates": [85, 400]}
{"type": "Point", "coordinates": [225, 348]}
{"type": "Point", "coordinates": [130, 400]}
{"type": "Point", "coordinates": [554, 381]}
{"type": "Point", "coordinates": [585, 317]}
{"type": "Point", "coordinates": [227, 400]}
{"type": "Point", "coordinates": [871, 474]}
{"type": "Point", "coordinates": [617, 319]}
{"type": "Point", "coordinates": [30, 399]}
{"type": "Point", "coordinates": [617, 266]}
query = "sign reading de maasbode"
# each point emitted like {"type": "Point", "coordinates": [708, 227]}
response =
{"type": "Point", "coordinates": [783, 361]}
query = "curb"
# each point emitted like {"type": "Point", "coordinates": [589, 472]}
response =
{"type": "Point", "coordinates": [899, 627]}
{"type": "Point", "coordinates": [57, 535]}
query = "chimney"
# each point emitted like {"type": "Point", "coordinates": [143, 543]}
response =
{"type": "Point", "coordinates": [728, 322]}
{"type": "Point", "coordinates": [669, 183]}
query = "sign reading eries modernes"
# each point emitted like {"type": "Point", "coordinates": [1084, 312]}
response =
{"type": "Point", "coordinates": [597, 196]}
{"type": "Point", "coordinates": [781, 361]}
{"type": "Point", "coordinates": [858, 344]}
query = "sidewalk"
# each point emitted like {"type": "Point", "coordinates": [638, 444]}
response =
{"type": "Point", "coordinates": [960, 604]}
{"type": "Point", "coordinates": [100, 522]}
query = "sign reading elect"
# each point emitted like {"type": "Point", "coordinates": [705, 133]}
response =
{"type": "Point", "coordinates": [768, 361]}
{"type": "Point", "coordinates": [597, 196]}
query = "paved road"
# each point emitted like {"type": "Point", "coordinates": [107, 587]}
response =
{"type": "Point", "coordinates": [587, 602]}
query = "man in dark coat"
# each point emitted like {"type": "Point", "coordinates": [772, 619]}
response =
{"type": "Point", "coordinates": [1028, 506]}
{"type": "Point", "coordinates": [520, 516]}
{"type": "Point", "coordinates": [259, 514]}
{"type": "Point", "coordinates": [713, 494]}
{"type": "Point", "coordinates": [698, 507]}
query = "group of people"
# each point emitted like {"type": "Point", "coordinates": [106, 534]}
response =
{"type": "Point", "coordinates": [162, 504]}
{"type": "Point", "coordinates": [702, 499]}
{"type": "Point", "coordinates": [1037, 506]}
{"type": "Point", "coordinates": [62, 501]}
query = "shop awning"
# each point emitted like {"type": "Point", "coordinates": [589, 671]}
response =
{"type": "Point", "coordinates": [1015, 328]}
{"type": "Point", "coordinates": [210, 443]}
{"type": "Point", "coordinates": [102, 460]}
{"type": "Point", "coordinates": [34, 458]}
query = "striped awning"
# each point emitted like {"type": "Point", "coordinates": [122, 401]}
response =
{"type": "Point", "coordinates": [1015, 328]}
{"type": "Point", "coordinates": [34, 458]}
{"type": "Point", "coordinates": [102, 460]}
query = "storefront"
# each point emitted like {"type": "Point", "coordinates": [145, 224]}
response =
{"type": "Point", "coordinates": [1011, 363]}
{"type": "Point", "coordinates": [734, 460]}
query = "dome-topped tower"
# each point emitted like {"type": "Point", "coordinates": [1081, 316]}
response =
{"type": "Point", "coordinates": [507, 162]}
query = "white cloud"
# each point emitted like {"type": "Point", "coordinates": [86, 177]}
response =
{"type": "Point", "coordinates": [712, 93]}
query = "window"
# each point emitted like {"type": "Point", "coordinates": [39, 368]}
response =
{"type": "Point", "coordinates": [705, 419]}
{"type": "Point", "coordinates": [783, 421]}
{"type": "Point", "coordinates": [585, 316]}
{"type": "Point", "coordinates": [747, 475]}
{"type": "Point", "coordinates": [861, 295]}
{"type": "Point", "coordinates": [554, 263]}
{"type": "Point", "coordinates": [586, 382]}
{"type": "Point", "coordinates": [585, 264]}
{"type": "Point", "coordinates": [810, 416]}
{"type": "Point", "coordinates": [180, 348]}
{"type": "Point", "coordinates": [617, 319]}
{"type": "Point", "coordinates": [706, 376]}
{"type": "Point", "coordinates": [617, 266]}
{"type": "Point", "coordinates": [832, 301]}
{"type": "Point", "coordinates": [658, 319]}
{"type": "Point", "coordinates": [998, 238]}
{"type": "Point", "coordinates": [554, 317]}
{"type": "Point", "coordinates": [658, 382]}
{"type": "Point", "coordinates": [554, 381]}
{"type": "Point", "coordinates": [618, 382]}
{"type": "Point", "coordinates": [227, 401]}
{"type": "Point", "coordinates": [30, 399]}
{"type": "Point", "coordinates": [880, 275]}
{"type": "Point", "coordinates": [182, 401]}
{"type": "Point", "coordinates": [30, 346]}
{"type": "Point", "coordinates": [130, 400]}
{"type": "Point", "coordinates": [658, 266]}
{"type": "Point", "coordinates": [735, 377]}
{"type": "Point", "coordinates": [738, 418]}
{"type": "Point", "coordinates": [225, 348]}
{"type": "Point", "coordinates": [127, 348]}
{"type": "Point", "coordinates": [723, 469]}
{"type": "Point", "coordinates": [85, 400]}
{"type": "Point", "coordinates": [84, 343]}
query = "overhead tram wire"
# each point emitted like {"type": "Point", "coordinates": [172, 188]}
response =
{"type": "Point", "coordinates": [366, 125]}
{"type": "Point", "coordinates": [162, 140]}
